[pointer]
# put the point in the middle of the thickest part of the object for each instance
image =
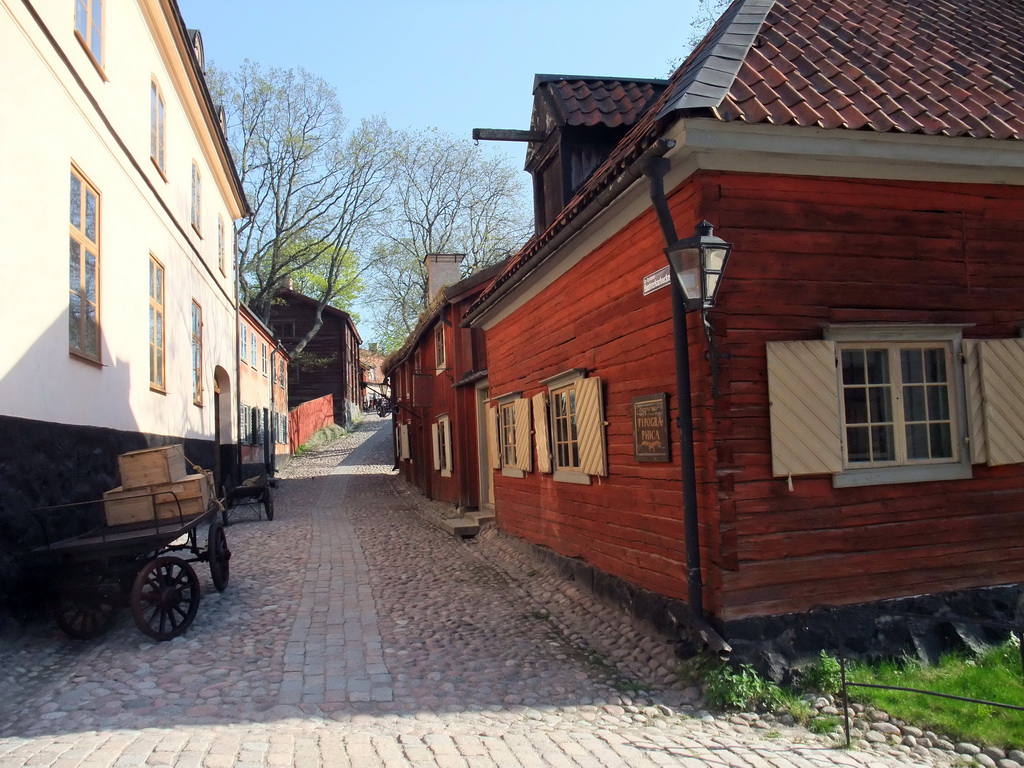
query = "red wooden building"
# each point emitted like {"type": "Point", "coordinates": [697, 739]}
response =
{"type": "Point", "coordinates": [858, 391]}
{"type": "Point", "coordinates": [329, 364]}
{"type": "Point", "coordinates": [438, 383]}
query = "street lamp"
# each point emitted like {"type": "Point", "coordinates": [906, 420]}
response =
{"type": "Point", "coordinates": [697, 264]}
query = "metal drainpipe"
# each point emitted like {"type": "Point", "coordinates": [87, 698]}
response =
{"type": "Point", "coordinates": [655, 170]}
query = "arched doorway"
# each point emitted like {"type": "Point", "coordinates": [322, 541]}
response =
{"type": "Point", "coordinates": [223, 435]}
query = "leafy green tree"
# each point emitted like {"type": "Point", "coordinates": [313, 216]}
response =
{"type": "Point", "coordinates": [448, 196]}
{"type": "Point", "coordinates": [317, 190]}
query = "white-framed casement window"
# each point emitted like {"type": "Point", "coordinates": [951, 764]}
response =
{"type": "Point", "coordinates": [878, 404]}
{"type": "Point", "coordinates": [158, 128]}
{"type": "Point", "coordinates": [574, 433]}
{"type": "Point", "coordinates": [89, 29]}
{"type": "Point", "coordinates": [197, 353]}
{"type": "Point", "coordinates": [442, 443]}
{"type": "Point", "coordinates": [264, 360]}
{"type": "Point", "coordinates": [439, 350]}
{"type": "Point", "coordinates": [243, 341]}
{"type": "Point", "coordinates": [84, 300]}
{"type": "Point", "coordinates": [511, 420]}
{"type": "Point", "coordinates": [252, 348]}
{"type": "Point", "coordinates": [196, 207]}
{"type": "Point", "coordinates": [156, 324]}
{"type": "Point", "coordinates": [244, 423]}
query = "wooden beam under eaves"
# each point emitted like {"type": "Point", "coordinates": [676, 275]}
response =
{"type": "Point", "coordinates": [497, 134]}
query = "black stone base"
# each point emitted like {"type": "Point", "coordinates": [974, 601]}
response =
{"type": "Point", "coordinates": [44, 464]}
{"type": "Point", "coordinates": [921, 627]}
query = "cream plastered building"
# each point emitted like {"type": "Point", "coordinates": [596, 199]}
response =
{"type": "Point", "coordinates": [119, 201]}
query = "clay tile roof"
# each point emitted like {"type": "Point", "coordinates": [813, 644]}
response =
{"type": "Point", "coordinates": [930, 67]}
{"type": "Point", "coordinates": [935, 67]}
{"type": "Point", "coordinates": [590, 101]}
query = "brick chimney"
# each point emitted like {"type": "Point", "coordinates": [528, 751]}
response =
{"type": "Point", "coordinates": [442, 270]}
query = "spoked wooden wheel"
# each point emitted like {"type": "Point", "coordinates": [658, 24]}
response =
{"type": "Point", "coordinates": [165, 597]}
{"type": "Point", "coordinates": [219, 555]}
{"type": "Point", "coordinates": [268, 504]}
{"type": "Point", "coordinates": [88, 608]}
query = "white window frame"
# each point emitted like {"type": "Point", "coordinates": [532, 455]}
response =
{"type": "Point", "coordinates": [196, 205]}
{"type": "Point", "coordinates": [440, 352]}
{"type": "Point", "coordinates": [557, 385]}
{"type": "Point", "coordinates": [895, 338]}
{"type": "Point", "coordinates": [509, 450]}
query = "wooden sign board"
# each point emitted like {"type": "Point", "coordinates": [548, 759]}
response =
{"type": "Point", "coordinates": [650, 428]}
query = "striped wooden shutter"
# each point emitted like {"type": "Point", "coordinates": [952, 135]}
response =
{"type": "Point", "coordinates": [803, 402]}
{"type": "Point", "coordinates": [975, 402]}
{"type": "Point", "coordinates": [1002, 387]}
{"type": "Point", "coordinates": [540, 431]}
{"type": "Point", "coordinates": [524, 451]}
{"type": "Point", "coordinates": [448, 446]}
{"type": "Point", "coordinates": [434, 446]}
{"type": "Point", "coordinates": [590, 427]}
{"type": "Point", "coordinates": [493, 438]}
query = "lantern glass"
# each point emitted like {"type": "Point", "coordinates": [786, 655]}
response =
{"type": "Point", "coordinates": [686, 267]}
{"type": "Point", "coordinates": [698, 264]}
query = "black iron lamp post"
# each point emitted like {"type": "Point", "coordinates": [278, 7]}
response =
{"type": "Point", "coordinates": [697, 264]}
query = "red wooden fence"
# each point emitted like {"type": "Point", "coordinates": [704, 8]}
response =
{"type": "Point", "coordinates": [306, 419]}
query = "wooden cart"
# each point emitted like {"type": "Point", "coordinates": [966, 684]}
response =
{"type": "Point", "coordinates": [146, 565]}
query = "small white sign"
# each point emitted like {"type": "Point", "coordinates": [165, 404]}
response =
{"type": "Point", "coordinates": [656, 280]}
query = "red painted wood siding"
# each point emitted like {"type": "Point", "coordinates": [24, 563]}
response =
{"type": "Point", "coordinates": [807, 251]}
{"type": "Point", "coordinates": [815, 251]}
{"type": "Point", "coordinates": [308, 418]}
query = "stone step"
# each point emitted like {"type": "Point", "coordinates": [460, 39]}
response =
{"type": "Point", "coordinates": [481, 516]}
{"type": "Point", "coordinates": [460, 526]}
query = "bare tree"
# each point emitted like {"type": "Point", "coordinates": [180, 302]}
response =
{"type": "Point", "coordinates": [704, 19]}
{"type": "Point", "coordinates": [316, 191]}
{"type": "Point", "coordinates": [449, 196]}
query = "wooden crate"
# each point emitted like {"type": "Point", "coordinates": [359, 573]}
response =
{"type": "Point", "coordinates": [139, 505]}
{"type": "Point", "coordinates": [152, 466]}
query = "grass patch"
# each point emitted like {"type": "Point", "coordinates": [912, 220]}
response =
{"type": "Point", "coordinates": [993, 676]}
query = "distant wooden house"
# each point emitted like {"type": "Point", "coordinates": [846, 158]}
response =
{"type": "Point", "coordinates": [374, 383]}
{"type": "Point", "coordinates": [438, 381]}
{"type": "Point", "coordinates": [857, 391]}
{"type": "Point", "coordinates": [329, 365]}
{"type": "Point", "coordinates": [263, 398]}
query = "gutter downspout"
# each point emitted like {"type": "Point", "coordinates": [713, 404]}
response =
{"type": "Point", "coordinates": [655, 169]}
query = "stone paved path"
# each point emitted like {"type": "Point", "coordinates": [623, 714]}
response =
{"type": "Point", "coordinates": [355, 633]}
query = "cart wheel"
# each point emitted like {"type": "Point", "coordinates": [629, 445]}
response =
{"type": "Point", "coordinates": [165, 597]}
{"type": "Point", "coordinates": [268, 504]}
{"type": "Point", "coordinates": [219, 555]}
{"type": "Point", "coordinates": [86, 610]}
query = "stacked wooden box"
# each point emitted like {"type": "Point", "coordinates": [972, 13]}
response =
{"type": "Point", "coordinates": [155, 485]}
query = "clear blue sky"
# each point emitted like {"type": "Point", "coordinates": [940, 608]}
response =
{"type": "Point", "coordinates": [450, 64]}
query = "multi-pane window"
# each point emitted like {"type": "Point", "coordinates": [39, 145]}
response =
{"type": "Point", "coordinates": [197, 354]}
{"type": "Point", "coordinates": [443, 446]}
{"type": "Point", "coordinates": [507, 434]}
{"type": "Point", "coordinates": [89, 27]}
{"type": "Point", "coordinates": [158, 127]}
{"type": "Point", "coordinates": [252, 349]}
{"type": "Point", "coordinates": [197, 199]}
{"type": "Point", "coordinates": [156, 324]}
{"type": "Point", "coordinates": [84, 259]}
{"type": "Point", "coordinates": [243, 342]}
{"type": "Point", "coordinates": [221, 247]}
{"type": "Point", "coordinates": [439, 346]}
{"type": "Point", "coordinates": [566, 431]}
{"type": "Point", "coordinates": [897, 404]}
{"type": "Point", "coordinates": [263, 350]}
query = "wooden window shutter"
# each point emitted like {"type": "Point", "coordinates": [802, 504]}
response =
{"type": "Point", "coordinates": [540, 431]}
{"type": "Point", "coordinates": [975, 402]}
{"type": "Point", "coordinates": [403, 434]}
{"type": "Point", "coordinates": [434, 448]}
{"type": "Point", "coordinates": [448, 447]}
{"type": "Point", "coordinates": [1002, 388]}
{"type": "Point", "coordinates": [803, 402]}
{"type": "Point", "coordinates": [590, 427]}
{"type": "Point", "coordinates": [524, 453]}
{"type": "Point", "coordinates": [493, 438]}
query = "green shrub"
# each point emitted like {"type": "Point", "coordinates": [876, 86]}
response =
{"type": "Point", "coordinates": [741, 688]}
{"type": "Point", "coordinates": [823, 676]}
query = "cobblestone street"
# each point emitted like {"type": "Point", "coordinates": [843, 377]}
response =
{"type": "Point", "coordinates": [355, 632]}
